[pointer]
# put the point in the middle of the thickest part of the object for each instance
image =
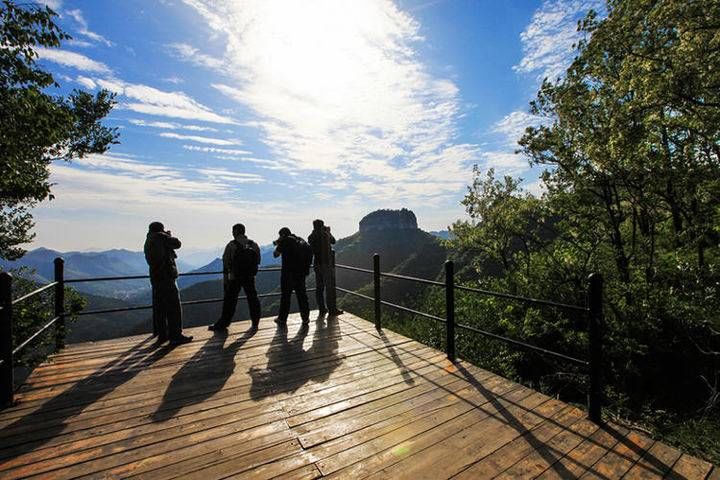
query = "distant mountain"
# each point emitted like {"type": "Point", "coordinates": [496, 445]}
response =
{"type": "Point", "coordinates": [106, 326]}
{"type": "Point", "coordinates": [443, 234]}
{"type": "Point", "coordinates": [88, 264]}
{"type": "Point", "coordinates": [403, 249]}
{"type": "Point", "coordinates": [266, 260]}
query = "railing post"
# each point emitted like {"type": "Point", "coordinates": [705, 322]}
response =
{"type": "Point", "coordinates": [7, 381]}
{"type": "Point", "coordinates": [595, 328]}
{"type": "Point", "coordinates": [378, 299]}
{"type": "Point", "coordinates": [450, 309]}
{"type": "Point", "coordinates": [60, 302]}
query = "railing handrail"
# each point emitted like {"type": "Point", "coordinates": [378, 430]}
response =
{"type": "Point", "coordinates": [510, 296]}
{"type": "Point", "coordinates": [142, 277]}
{"type": "Point", "coordinates": [593, 311]}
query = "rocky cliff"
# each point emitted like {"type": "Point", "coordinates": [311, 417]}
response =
{"type": "Point", "coordinates": [403, 219]}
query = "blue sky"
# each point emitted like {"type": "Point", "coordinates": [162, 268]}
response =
{"type": "Point", "coordinates": [274, 113]}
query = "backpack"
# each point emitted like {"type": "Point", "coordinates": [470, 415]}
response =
{"type": "Point", "coordinates": [245, 261]}
{"type": "Point", "coordinates": [304, 255]}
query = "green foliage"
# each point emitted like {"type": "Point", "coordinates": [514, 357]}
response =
{"type": "Point", "coordinates": [32, 314]}
{"type": "Point", "coordinates": [631, 146]}
{"type": "Point", "coordinates": [38, 128]}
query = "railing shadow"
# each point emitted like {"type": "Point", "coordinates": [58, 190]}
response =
{"type": "Point", "coordinates": [41, 425]}
{"type": "Point", "coordinates": [407, 378]}
{"type": "Point", "coordinates": [290, 366]}
{"type": "Point", "coordinates": [211, 366]}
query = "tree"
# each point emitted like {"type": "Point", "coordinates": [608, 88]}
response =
{"type": "Point", "coordinates": [38, 128]}
{"type": "Point", "coordinates": [633, 145]}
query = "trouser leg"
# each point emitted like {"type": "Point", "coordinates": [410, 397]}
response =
{"type": "Point", "coordinates": [252, 299]}
{"type": "Point", "coordinates": [159, 315]}
{"type": "Point", "coordinates": [231, 291]}
{"type": "Point", "coordinates": [301, 293]}
{"type": "Point", "coordinates": [286, 287]}
{"type": "Point", "coordinates": [173, 309]}
{"type": "Point", "coordinates": [330, 292]}
{"type": "Point", "coordinates": [320, 289]}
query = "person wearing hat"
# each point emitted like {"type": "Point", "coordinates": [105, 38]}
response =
{"type": "Point", "coordinates": [160, 255]}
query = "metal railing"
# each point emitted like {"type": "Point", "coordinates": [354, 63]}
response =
{"type": "Point", "coordinates": [592, 311]}
{"type": "Point", "coordinates": [8, 353]}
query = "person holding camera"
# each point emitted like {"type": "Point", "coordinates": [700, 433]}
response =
{"type": "Point", "coordinates": [296, 260]}
{"type": "Point", "coordinates": [240, 265]}
{"type": "Point", "coordinates": [321, 242]}
{"type": "Point", "coordinates": [160, 255]}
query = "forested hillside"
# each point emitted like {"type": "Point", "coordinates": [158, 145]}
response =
{"type": "Point", "coordinates": [629, 139]}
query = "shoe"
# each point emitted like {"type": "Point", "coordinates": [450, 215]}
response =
{"type": "Point", "coordinates": [218, 328]}
{"type": "Point", "coordinates": [160, 340]}
{"type": "Point", "coordinates": [182, 339]}
{"type": "Point", "coordinates": [336, 312]}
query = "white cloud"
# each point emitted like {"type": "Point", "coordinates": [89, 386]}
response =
{"type": "Point", "coordinates": [172, 126]}
{"type": "Point", "coordinates": [86, 82]}
{"type": "Point", "coordinates": [83, 29]}
{"type": "Point", "coordinates": [195, 138]}
{"type": "Point", "coordinates": [191, 54]}
{"type": "Point", "coordinates": [513, 126]}
{"type": "Point", "coordinates": [152, 101]}
{"type": "Point", "coordinates": [55, 5]}
{"type": "Point", "coordinates": [337, 87]}
{"type": "Point", "coordinates": [548, 39]}
{"type": "Point", "coordinates": [71, 59]}
{"type": "Point", "coordinates": [175, 80]}
{"type": "Point", "coordinates": [224, 151]}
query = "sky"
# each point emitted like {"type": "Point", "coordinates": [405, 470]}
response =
{"type": "Point", "coordinates": [274, 113]}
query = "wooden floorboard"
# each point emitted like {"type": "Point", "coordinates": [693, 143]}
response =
{"type": "Point", "coordinates": [336, 399]}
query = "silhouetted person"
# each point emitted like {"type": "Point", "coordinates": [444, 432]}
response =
{"type": "Point", "coordinates": [160, 255]}
{"type": "Point", "coordinates": [296, 260]}
{"type": "Point", "coordinates": [240, 265]}
{"type": "Point", "coordinates": [321, 241]}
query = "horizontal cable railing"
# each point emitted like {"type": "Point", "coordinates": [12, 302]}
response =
{"type": "Point", "coordinates": [7, 352]}
{"type": "Point", "coordinates": [593, 311]}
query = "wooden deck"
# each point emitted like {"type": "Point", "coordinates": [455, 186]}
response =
{"type": "Point", "coordinates": [337, 399]}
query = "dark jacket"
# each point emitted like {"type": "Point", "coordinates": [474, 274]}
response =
{"type": "Point", "coordinates": [160, 256]}
{"type": "Point", "coordinates": [287, 247]}
{"type": "Point", "coordinates": [229, 255]}
{"type": "Point", "coordinates": [321, 241]}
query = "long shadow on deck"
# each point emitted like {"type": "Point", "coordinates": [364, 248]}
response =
{"type": "Point", "coordinates": [211, 366]}
{"type": "Point", "coordinates": [550, 455]}
{"type": "Point", "coordinates": [290, 366]}
{"type": "Point", "coordinates": [40, 425]}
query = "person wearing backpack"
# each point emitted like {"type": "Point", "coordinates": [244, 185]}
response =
{"type": "Point", "coordinates": [296, 261]}
{"type": "Point", "coordinates": [321, 242]}
{"type": "Point", "coordinates": [240, 265]}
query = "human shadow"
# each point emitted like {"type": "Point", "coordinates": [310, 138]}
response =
{"type": "Point", "coordinates": [290, 366]}
{"type": "Point", "coordinates": [40, 425]}
{"type": "Point", "coordinates": [202, 376]}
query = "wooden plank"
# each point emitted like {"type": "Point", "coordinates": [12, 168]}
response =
{"type": "Point", "coordinates": [544, 455]}
{"type": "Point", "coordinates": [392, 447]}
{"type": "Point", "coordinates": [443, 456]}
{"type": "Point", "coordinates": [656, 463]}
{"type": "Point", "coordinates": [618, 461]}
{"type": "Point", "coordinates": [690, 468]}
{"type": "Point", "coordinates": [589, 451]}
{"type": "Point", "coordinates": [508, 455]}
